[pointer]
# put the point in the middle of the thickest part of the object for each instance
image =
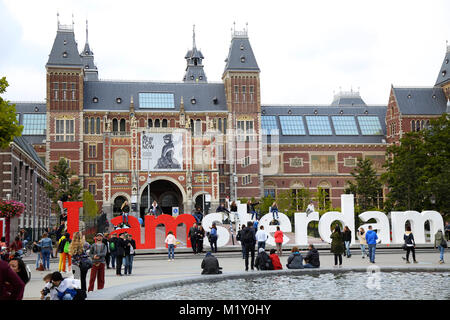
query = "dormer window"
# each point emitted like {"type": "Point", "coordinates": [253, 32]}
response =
{"type": "Point", "coordinates": [193, 101]}
{"type": "Point", "coordinates": [192, 77]}
{"type": "Point", "coordinates": [444, 73]}
{"type": "Point", "coordinates": [119, 100]}
{"type": "Point", "coordinates": [95, 99]}
{"type": "Point", "coordinates": [65, 42]}
{"type": "Point", "coordinates": [64, 54]}
{"type": "Point", "coordinates": [242, 46]}
{"type": "Point", "coordinates": [242, 59]}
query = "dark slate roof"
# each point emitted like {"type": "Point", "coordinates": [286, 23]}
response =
{"type": "Point", "coordinates": [240, 56]}
{"type": "Point", "coordinates": [370, 110]}
{"type": "Point", "coordinates": [444, 73]}
{"type": "Point", "coordinates": [420, 101]}
{"type": "Point", "coordinates": [343, 101]}
{"type": "Point", "coordinates": [26, 146]}
{"type": "Point", "coordinates": [208, 96]}
{"type": "Point", "coordinates": [65, 50]}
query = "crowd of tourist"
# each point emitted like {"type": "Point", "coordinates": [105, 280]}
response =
{"type": "Point", "coordinates": [117, 250]}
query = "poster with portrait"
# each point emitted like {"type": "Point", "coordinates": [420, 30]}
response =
{"type": "Point", "coordinates": [161, 151]}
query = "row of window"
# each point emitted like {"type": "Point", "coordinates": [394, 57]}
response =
{"type": "Point", "coordinates": [320, 125]}
{"type": "Point", "coordinates": [243, 92]}
{"type": "Point", "coordinates": [417, 125]}
{"type": "Point", "coordinates": [64, 91]}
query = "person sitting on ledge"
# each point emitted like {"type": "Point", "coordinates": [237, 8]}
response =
{"type": "Point", "coordinates": [312, 258]}
{"type": "Point", "coordinates": [210, 264]}
{"type": "Point", "coordinates": [275, 260]}
{"type": "Point", "coordinates": [295, 260]}
{"type": "Point", "coordinates": [263, 261]}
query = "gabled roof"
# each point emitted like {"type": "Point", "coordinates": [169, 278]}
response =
{"type": "Point", "coordinates": [65, 50]}
{"type": "Point", "coordinates": [420, 101]}
{"type": "Point", "coordinates": [444, 73]}
{"type": "Point", "coordinates": [240, 56]}
{"type": "Point", "coordinates": [25, 146]}
{"type": "Point", "coordinates": [208, 96]}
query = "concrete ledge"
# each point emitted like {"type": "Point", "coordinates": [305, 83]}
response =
{"type": "Point", "coordinates": [124, 291]}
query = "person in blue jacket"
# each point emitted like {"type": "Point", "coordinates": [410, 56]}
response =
{"type": "Point", "coordinates": [213, 238]}
{"type": "Point", "coordinates": [371, 238]}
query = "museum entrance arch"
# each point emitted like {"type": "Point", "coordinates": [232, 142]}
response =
{"type": "Point", "coordinates": [166, 193]}
{"type": "Point", "coordinates": [118, 201]}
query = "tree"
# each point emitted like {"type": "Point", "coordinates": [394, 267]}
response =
{"type": "Point", "coordinates": [61, 183]}
{"type": "Point", "coordinates": [9, 125]}
{"type": "Point", "coordinates": [436, 171]}
{"type": "Point", "coordinates": [366, 186]}
{"type": "Point", "coordinates": [404, 175]}
{"type": "Point", "coordinates": [90, 208]}
{"type": "Point", "coordinates": [418, 170]}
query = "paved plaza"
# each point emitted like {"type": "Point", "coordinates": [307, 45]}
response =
{"type": "Point", "coordinates": [155, 266]}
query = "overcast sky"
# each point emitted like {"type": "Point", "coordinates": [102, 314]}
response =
{"type": "Point", "coordinates": [306, 50]}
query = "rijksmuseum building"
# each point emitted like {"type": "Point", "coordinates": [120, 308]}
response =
{"type": "Point", "coordinates": [193, 140]}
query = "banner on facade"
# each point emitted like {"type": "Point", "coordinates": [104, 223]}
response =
{"type": "Point", "coordinates": [161, 151]}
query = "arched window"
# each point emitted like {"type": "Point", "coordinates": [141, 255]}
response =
{"type": "Point", "coordinates": [219, 126]}
{"type": "Point", "coordinates": [422, 124]}
{"type": "Point", "coordinates": [115, 125]}
{"type": "Point", "coordinates": [164, 123]}
{"type": "Point", "coordinates": [413, 125]}
{"type": "Point", "coordinates": [417, 125]}
{"type": "Point", "coordinates": [92, 126]}
{"type": "Point", "coordinates": [224, 125]}
{"type": "Point", "coordinates": [86, 125]}
{"type": "Point", "coordinates": [198, 127]}
{"type": "Point", "coordinates": [122, 125]}
{"type": "Point", "coordinates": [98, 126]}
{"type": "Point", "coordinates": [150, 123]}
{"type": "Point", "coordinates": [157, 123]}
{"type": "Point", "coordinates": [192, 126]}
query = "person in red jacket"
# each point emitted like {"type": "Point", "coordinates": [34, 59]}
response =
{"type": "Point", "coordinates": [278, 240]}
{"type": "Point", "coordinates": [11, 286]}
{"type": "Point", "coordinates": [275, 260]}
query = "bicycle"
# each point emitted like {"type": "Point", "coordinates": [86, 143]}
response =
{"type": "Point", "coordinates": [28, 249]}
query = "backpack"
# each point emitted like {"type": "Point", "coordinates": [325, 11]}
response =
{"type": "Point", "coordinates": [112, 246]}
{"type": "Point", "coordinates": [36, 248]}
{"type": "Point", "coordinates": [238, 236]}
{"type": "Point", "coordinates": [269, 264]}
{"type": "Point", "coordinates": [247, 236]}
{"type": "Point", "coordinates": [61, 246]}
{"type": "Point", "coordinates": [66, 246]}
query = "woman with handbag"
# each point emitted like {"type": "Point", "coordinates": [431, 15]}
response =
{"type": "Point", "coordinates": [79, 257]}
{"type": "Point", "coordinates": [439, 239]}
{"type": "Point", "coordinates": [410, 244]}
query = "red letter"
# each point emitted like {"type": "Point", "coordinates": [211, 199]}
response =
{"type": "Point", "coordinates": [73, 216]}
{"type": "Point", "coordinates": [134, 229]}
{"type": "Point", "coordinates": [171, 224]}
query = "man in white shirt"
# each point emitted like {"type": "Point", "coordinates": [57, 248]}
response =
{"type": "Point", "coordinates": [261, 237]}
{"type": "Point", "coordinates": [63, 288]}
{"type": "Point", "coordinates": [310, 208]}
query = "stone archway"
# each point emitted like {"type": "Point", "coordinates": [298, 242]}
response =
{"type": "Point", "coordinates": [167, 192]}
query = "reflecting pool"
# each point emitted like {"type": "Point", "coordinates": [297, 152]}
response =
{"type": "Point", "coordinates": [325, 286]}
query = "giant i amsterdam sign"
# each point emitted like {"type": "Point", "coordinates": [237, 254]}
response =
{"type": "Point", "coordinates": [346, 217]}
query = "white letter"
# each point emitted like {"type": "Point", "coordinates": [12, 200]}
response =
{"type": "Point", "coordinates": [382, 224]}
{"type": "Point", "coordinates": [301, 226]}
{"type": "Point", "coordinates": [417, 221]}
{"type": "Point", "coordinates": [223, 235]}
{"type": "Point", "coordinates": [347, 218]}
{"type": "Point", "coordinates": [285, 226]}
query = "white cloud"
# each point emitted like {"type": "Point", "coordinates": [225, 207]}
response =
{"type": "Point", "coordinates": [305, 49]}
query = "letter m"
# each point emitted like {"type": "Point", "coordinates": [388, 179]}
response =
{"type": "Point", "coordinates": [170, 223]}
{"type": "Point", "coordinates": [417, 221]}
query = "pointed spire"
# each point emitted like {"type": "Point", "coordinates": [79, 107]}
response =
{"type": "Point", "coordinates": [193, 37]}
{"type": "Point", "coordinates": [87, 32]}
{"type": "Point", "coordinates": [57, 20]}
